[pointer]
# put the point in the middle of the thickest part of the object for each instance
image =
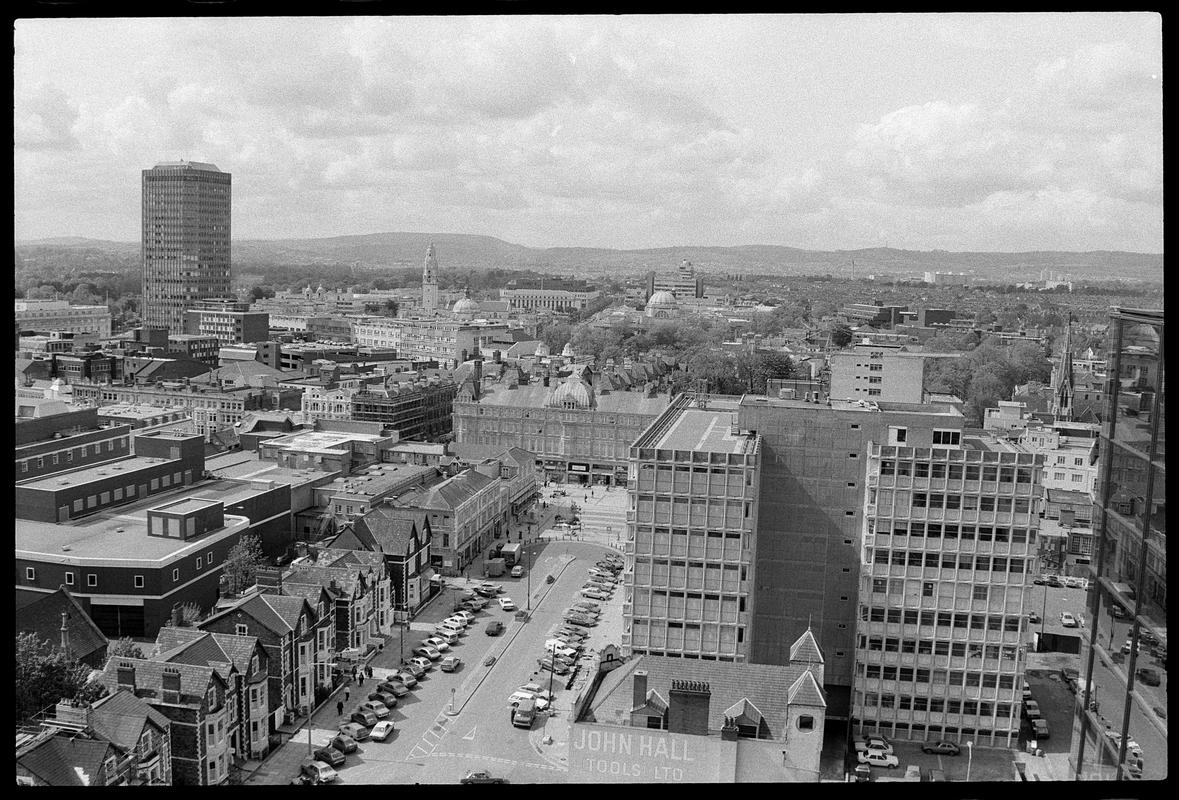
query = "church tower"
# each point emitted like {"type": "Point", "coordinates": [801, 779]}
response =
{"type": "Point", "coordinates": [430, 281]}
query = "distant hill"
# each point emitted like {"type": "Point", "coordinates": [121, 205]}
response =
{"type": "Point", "coordinates": [458, 251]}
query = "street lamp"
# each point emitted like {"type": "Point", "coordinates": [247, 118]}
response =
{"type": "Point", "coordinates": [969, 759]}
{"type": "Point", "coordinates": [1043, 614]}
{"type": "Point", "coordinates": [529, 577]}
{"type": "Point", "coordinates": [311, 712]}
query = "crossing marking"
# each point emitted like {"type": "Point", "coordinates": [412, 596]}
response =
{"type": "Point", "coordinates": [470, 737]}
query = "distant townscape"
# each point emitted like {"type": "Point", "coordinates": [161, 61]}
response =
{"type": "Point", "coordinates": [414, 508]}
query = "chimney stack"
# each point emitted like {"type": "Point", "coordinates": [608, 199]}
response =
{"type": "Point", "coordinates": [65, 634]}
{"type": "Point", "coordinates": [177, 620]}
{"type": "Point", "coordinates": [687, 710]}
{"type": "Point", "coordinates": [269, 580]}
{"type": "Point", "coordinates": [729, 731]}
{"type": "Point", "coordinates": [170, 688]}
{"type": "Point", "coordinates": [72, 712]}
{"type": "Point", "coordinates": [125, 676]}
{"type": "Point", "coordinates": [640, 688]}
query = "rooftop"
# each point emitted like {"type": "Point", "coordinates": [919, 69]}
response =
{"type": "Point", "coordinates": [331, 442]}
{"type": "Point", "coordinates": [78, 477]}
{"type": "Point", "coordinates": [707, 431]}
{"type": "Point", "coordinates": [536, 395]}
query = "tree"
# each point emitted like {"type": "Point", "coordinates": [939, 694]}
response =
{"type": "Point", "coordinates": [190, 615]}
{"type": "Point", "coordinates": [242, 562]}
{"type": "Point", "coordinates": [841, 335]}
{"type": "Point", "coordinates": [756, 369]}
{"type": "Point", "coordinates": [125, 647]}
{"type": "Point", "coordinates": [44, 675]}
{"type": "Point", "coordinates": [45, 291]}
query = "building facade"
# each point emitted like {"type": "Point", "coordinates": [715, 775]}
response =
{"type": "Point", "coordinates": [60, 315]}
{"type": "Point", "coordinates": [949, 541]}
{"type": "Point", "coordinates": [186, 239]}
{"type": "Point", "coordinates": [228, 321]}
{"type": "Point", "coordinates": [878, 373]}
{"type": "Point", "coordinates": [419, 411]}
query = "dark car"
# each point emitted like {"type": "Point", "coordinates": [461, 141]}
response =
{"type": "Point", "coordinates": [1054, 582]}
{"type": "Point", "coordinates": [1033, 617]}
{"type": "Point", "coordinates": [481, 777]}
{"type": "Point", "coordinates": [941, 748]}
{"type": "Point", "coordinates": [494, 628]}
{"type": "Point", "coordinates": [344, 743]}
{"type": "Point", "coordinates": [362, 716]}
{"type": "Point", "coordinates": [393, 687]}
{"type": "Point", "coordinates": [329, 755]}
{"type": "Point", "coordinates": [1038, 581]}
{"type": "Point", "coordinates": [388, 698]}
{"type": "Point", "coordinates": [1149, 676]}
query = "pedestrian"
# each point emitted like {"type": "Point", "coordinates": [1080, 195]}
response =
{"type": "Point", "coordinates": [340, 708]}
{"type": "Point", "coordinates": [362, 679]}
{"type": "Point", "coordinates": [369, 670]}
{"type": "Point", "coordinates": [346, 691]}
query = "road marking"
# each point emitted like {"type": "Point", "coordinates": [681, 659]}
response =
{"type": "Point", "coordinates": [470, 737]}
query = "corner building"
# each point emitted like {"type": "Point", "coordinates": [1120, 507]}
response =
{"type": "Point", "coordinates": [949, 540]}
{"type": "Point", "coordinates": [691, 525]}
{"type": "Point", "coordinates": [186, 240]}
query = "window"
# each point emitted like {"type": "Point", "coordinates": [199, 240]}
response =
{"type": "Point", "coordinates": [981, 592]}
{"type": "Point", "coordinates": [199, 561]}
{"type": "Point", "coordinates": [30, 574]}
{"type": "Point", "coordinates": [91, 579]}
{"type": "Point", "coordinates": [209, 558]}
{"type": "Point", "coordinates": [946, 437]}
{"type": "Point", "coordinates": [139, 581]}
{"type": "Point", "coordinates": [927, 589]}
{"type": "Point", "coordinates": [69, 579]}
{"type": "Point", "coordinates": [806, 722]}
{"type": "Point", "coordinates": [176, 574]}
{"type": "Point", "coordinates": [242, 630]}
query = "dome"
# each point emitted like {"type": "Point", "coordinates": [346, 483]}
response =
{"type": "Point", "coordinates": [542, 350]}
{"type": "Point", "coordinates": [465, 305]}
{"type": "Point", "coordinates": [662, 298]}
{"type": "Point", "coordinates": [568, 351]}
{"type": "Point", "coordinates": [573, 393]}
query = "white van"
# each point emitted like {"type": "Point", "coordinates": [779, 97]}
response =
{"type": "Point", "coordinates": [446, 632]}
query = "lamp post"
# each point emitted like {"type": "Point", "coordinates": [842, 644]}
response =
{"type": "Point", "coordinates": [969, 759]}
{"type": "Point", "coordinates": [529, 578]}
{"type": "Point", "coordinates": [311, 713]}
{"type": "Point", "coordinates": [1043, 613]}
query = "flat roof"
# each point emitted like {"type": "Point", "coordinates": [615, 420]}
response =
{"type": "Point", "coordinates": [323, 441]}
{"type": "Point", "coordinates": [138, 410]}
{"type": "Point", "coordinates": [378, 479]}
{"type": "Point", "coordinates": [704, 430]}
{"type": "Point", "coordinates": [186, 505]}
{"type": "Point", "coordinates": [125, 466]}
{"type": "Point", "coordinates": [254, 469]}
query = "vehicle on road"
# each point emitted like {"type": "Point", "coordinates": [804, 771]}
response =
{"type": "Point", "coordinates": [378, 709]}
{"type": "Point", "coordinates": [878, 758]}
{"type": "Point", "coordinates": [422, 662]}
{"type": "Point", "coordinates": [1040, 580]}
{"type": "Point", "coordinates": [487, 662]}
{"type": "Point", "coordinates": [366, 717]}
{"type": "Point", "coordinates": [506, 604]}
{"type": "Point", "coordinates": [354, 731]}
{"type": "Point", "coordinates": [1068, 620]}
{"type": "Point", "coordinates": [317, 771]}
{"type": "Point", "coordinates": [428, 652]}
{"type": "Point", "coordinates": [407, 677]}
{"type": "Point", "coordinates": [1128, 646]}
{"type": "Point", "coordinates": [941, 748]}
{"type": "Point", "coordinates": [523, 713]}
{"type": "Point", "coordinates": [494, 628]}
{"type": "Point", "coordinates": [1074, 583]}
{"type": "Point", "coordinates": [1117, 611]}
{"type": "Point", "coordinates": [382, 730]}
{"type": "Point", "coordinates": [343, 742]}
{"type": "Point", "coordinates": [1040, 729]}
{"type": "Point", "coordinates": [388, 698]}
{"type": "Point", "coordinates": [517, 571]}
{"type": "Point", "coordinates": [494, 588]}
{"type": "Point", "coordinates": [1033, 618]}
{"type": "Point", "coordinates": [438, 643]}
{"type": "Point", "coordinates": [329, 755]}
{"type": "Point", "coordinates": [536, 690]}
{"type": "Point", "coordinates": [481, 777]}
{"type": "Point", "coordinates": [450, 663]}
{"type": "Point", "coordinates": [1149, 676]}
{"type": "Point", "coordinates": [1132, 747]}
{"type": "Point", "coordinates": [517, 698]}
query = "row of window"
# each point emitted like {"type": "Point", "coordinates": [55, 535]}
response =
{"type": "Point", "coordinates": [956, 472]}
{"type": "Point", "coordinates": [920, 558]}
{"type": "Point", "coordinates": [903, 702]}
{"type": "Point", "coordinates": [81, 452]}
{"type": "Point", "coordinates": [92, 578]}
{"type": "Point", "coordinates": [972, 502]}
{"type": "Point", "coordinates": [941, 619]}
{"type": "Point", "coordinates": [938, 530]}
{"type": "Point", "coordinates": [933, 647]}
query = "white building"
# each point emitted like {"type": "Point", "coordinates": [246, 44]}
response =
{"type": "Point", "coordinates": [59, 315]}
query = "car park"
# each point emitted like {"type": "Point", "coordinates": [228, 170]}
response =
{"type": "Point", "coordinates": [1067, 620]}
{"type": "Point", "coordinates": [878, 758]}
{"type": "Point", "coordinates": [366, 717]}
{"type": "Point", "coordinates": [875, 742]}
{"type": "Point", "coordinates": [407, 677]}
{"type": "Point", "coordinates": [355, 731]}
{"type": "Point", "coordinates": [317, 771]}
{"type": "Point", "coordinates": [517, 571]}
{"type": "Point", "coordinates": [422, 662]}
{"type": "Point", "coordinates": [388, 698]}
{"type": "Point", "coordinates": [494, 628]}
{"type": "Point", "coordinates": [562, 644]}
{"type": "Point", "coordinates": [506, 604]}
{"type": "Point", "coordinates": [343, 742]}
{"type": "Point", "coordinates": [456, 620]}
{"type": "Point", "coordinates": [596, 595]}
{"type": "Point", "coordinates": [1149, 676]}
{"type": "Point", "coordinates": [559, 666]}
{"type": "Point", "coordinates": [523, 713]}
{"type": "Point", "coordinates": [941, 748]}
{"type": "Point", "coordinates": [537, 690]}
{"type": "Point", "coordinates": [566, 653]}
{"type": "Point", "coordinates": [438, 643]}
{"type": "Point", "coordinates": [592, 613]}
{"type": "Point", "coordinates": [933, 776]}
{"type": "Point", "coordinates": [376, 707]}
{"type": "Point", "coordinates": [427, 652]}
{"type": "Point", "coordinates": [1040, 729]}
{"type": "Point", "coordinates": [329, 755]}
{"type": "Point", "coordinates": [582, 621]}
{"type": "Point", "coordinates": [481, 777]}
{"type": "Point", "coordinates": [382, 730]}
{"type": "Point", "coordinates": [466, 615]}
{"type": "Point", "coordinates": [450, 663]}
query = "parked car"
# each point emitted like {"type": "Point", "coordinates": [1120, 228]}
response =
{"type": "Point", "coordinates": [417, 670]}
{"type": "Point", "coordinates": [1068, 620]}
{"type": "Point", "coordinates": [329, 755]}
{"type": "Point", "coordinates": [343, 742]}
{"type": "Point", "coordinates": [422, 662]}
{"type": "Point", "coordinates": [438, 643]}
{"type": "Point", "coordinates": [1040, 580]}
{"type": "Point", "coordinates": [379, 709]}
{"type": "Point", "coordinates": [355, 731]}
{"type": "Point", "coordinates": [1129, 645]}
{"type": "Point", "coordinates": [1074, 583]}
{"type": "Point", "coordinates": [427, 652]}
{"type": "Point", "coordinates": [388, 698]}
{"type": "Point", "coordinates": [457, 620]}
{"type": "Point", "coordinates": [494, 628]}
{"type": "Point", "coordinates": [487, 662]}
{"type": "Point", "coordinates": [584, 622]}
{"type": "Point", "coordinates": [506, 604]}
{"type": "Point", "coordinates": [366, 717]}
{"type": "Point", "coordinates": [407, 677]}
{"type": "Point", "coordinates": [878, 758]}
{"type": "Point", "coordinates": [383, 730]}
{"type": "Point", "coordinates": [481, 777]}
{"type": "Point", "coordinates": [447, 633]}
{"type": "Point", "coordinates": [517, 571]}
{"type": "Point", "coordinates": [537, 690]}
{"type": "Point", "coordinates": [1033, 617]}
{"type": "Point", "coordinates": [1117, 611]}
{"type": "Point", "coordinates": [519, 697]}
{"type": "Point", "coordinates": [317, 771]}
{"type": "Point", "coordinates": [941, 748]}
{"type": "Point", "coordinates": [494, 588]}
{"type": "Point", "coordinates": [467, 615]}
{"type": "Point", "coordinates": [1031, 710]}
{"type": "Point", "coordinates": [559, 666]}
{"type": "Point", "coordinates": [1040, 729]}
{"type": "Point", "coordinates": [1149, 676]}
{"type": "Point", "coordinates": [876, 742]}
{"type": "Point", "coordinates": [595, 594]}
{"type": "Point", "coordinates": [450, 663]}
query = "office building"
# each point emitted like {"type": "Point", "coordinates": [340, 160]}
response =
{"type": "Point", "coordinates": [60, 315]}
{"type": "Point", "coordinates": [684, 283]}
{"type": "Point", "coordinates": [186, 240]}
{"type": "Point", "coordinates": [228, 321]}
{"type": "Point", "coordinates": [948, 543]}
{"type": "Point", "coordinates": [550, 294]}
{"type": "Point", "coordinates": [878, 372]}
{"type": "Point", "coordinates": [1124, 648]}
{"type": "Point", "coordinates": [691, 534]}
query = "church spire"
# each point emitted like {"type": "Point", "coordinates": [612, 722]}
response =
{"type": "Point", "coordinates": [430, 281]}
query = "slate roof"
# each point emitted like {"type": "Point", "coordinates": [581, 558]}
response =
{"type": "Point", "coordinates": [387, 529]}
{"type": "Point", "coordinates": [764, 685]}
{"type": "Point", "coordinates": [333, 557]}
{"type": "Point", "coordinates": [231, 648]}
{"type": "Point", "coordinates": [280, 613]}
{"type": "Point", "coordinates": [60, 761]}
{"type": "Point", "coordinates": [149, 678]}
{"type": "Point", "coordinates": [348, 579]}
{"type": "Point", "coordinates": [806, 649]}
{"type": "Point", "coordinates": [451, 493]}
{"type": "Point", "coordinates": [43, 617]}
{"type": "Point", "coordinates": [806, 691]}
{"type": "Point", "coordinates": [121, 716]}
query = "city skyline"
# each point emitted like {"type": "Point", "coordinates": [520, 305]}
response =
{"type": "Point", "coordinates": [949, 131]}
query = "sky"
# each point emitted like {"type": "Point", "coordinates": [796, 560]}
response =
{"type": "Point", "coordinates": [999, 132]}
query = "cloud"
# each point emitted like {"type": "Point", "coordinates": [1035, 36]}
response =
{"type": "Point", "coordinates": [43, 119]}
